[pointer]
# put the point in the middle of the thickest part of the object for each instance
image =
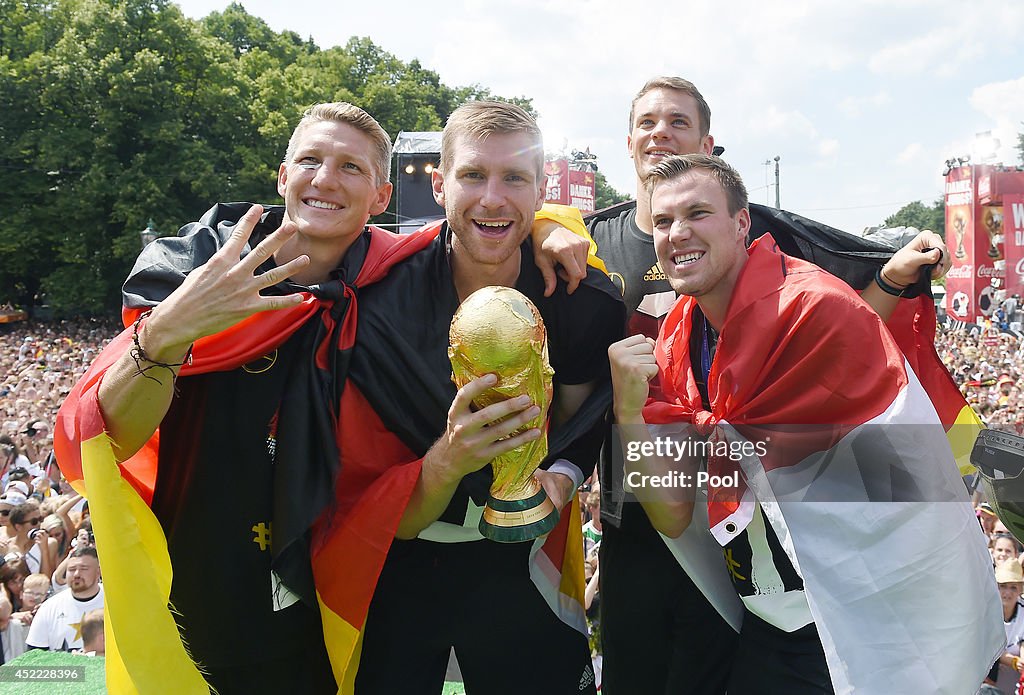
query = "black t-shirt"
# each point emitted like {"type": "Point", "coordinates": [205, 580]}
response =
{"type": "Point", "coordinates": [633, 267]}
{"type": "Point", "coordinates": [214, 498]}
{"type": "Point", "coordinates": [411, 310]}
{"type": "Point", "coordinates": [628, 254]}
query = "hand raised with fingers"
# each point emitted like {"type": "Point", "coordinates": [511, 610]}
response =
{"type": "Point", "coordinates": [222, 292]}
{"type": "Point", "coordinates": [472, 439]}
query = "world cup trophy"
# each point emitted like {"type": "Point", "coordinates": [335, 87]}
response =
{"type": "Point", "coordinates": [497, 330]}
{"type": "Point", "coordinates": [992, 219]}
{"type": "Point", "coordinates": [960, 228]}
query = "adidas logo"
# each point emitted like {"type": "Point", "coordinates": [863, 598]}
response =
{"type": "Point", "coordinates": [587, 678]}
{"type": "Point", "coordinates": [655, 273]}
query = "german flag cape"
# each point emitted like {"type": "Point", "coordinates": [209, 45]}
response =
{"type": "Point", "coordinates": [144, 649]}
{"type": "Point", "coordinates": [855, 259]}
{"type": "Point", "coordinates": [396, 406]}
{"type": "Point", "coordinates": [864, 497]}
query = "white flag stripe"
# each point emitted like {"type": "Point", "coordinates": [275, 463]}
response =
{"type": "Point", "coordinates": [902, 593]}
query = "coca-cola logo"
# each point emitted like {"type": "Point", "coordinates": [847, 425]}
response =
{"type": "Point", "coordinates": [1019, 268]}
{"type": "Point", "coordinates": [987, 271]}
{"type": "Point", "coordinates": [963, 272]}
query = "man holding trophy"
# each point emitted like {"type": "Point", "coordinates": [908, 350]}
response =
{"type": "Point", "coordinates": [439, 401]}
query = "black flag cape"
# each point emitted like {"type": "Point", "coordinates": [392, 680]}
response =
{"type": "Point", "coordinates": [401, 362]}
{"type": "Point", "coordinates": [395, 407]}
{"type": "Point", "coordinates": [849, 257]}
{"type": "Point", "coordinates": [306, 434]}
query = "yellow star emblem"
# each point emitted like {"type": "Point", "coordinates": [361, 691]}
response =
{"type": "Point", "coordinates": [733, 566]}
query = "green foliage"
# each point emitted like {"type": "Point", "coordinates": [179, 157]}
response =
{"type": "Point", "coordinates": [604, 194]}
{"type": "Point", "coordinates": [922, 216]}
{"type": "Point", "coordinates": [1020, 145]}
{"type": "Point", "coordinates": [113, 112]}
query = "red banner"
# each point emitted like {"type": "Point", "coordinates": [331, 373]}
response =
{"type": "Point", "coordinates": [568, 186]}
{"type": "Point", "coordinates": [557, 190]}
{"type": "Point", "coordinates": [960, 302]}
{"type": "Point", "coordinates": [1013, 244]}
{"type": "Point", "coordinates": [581, 190]}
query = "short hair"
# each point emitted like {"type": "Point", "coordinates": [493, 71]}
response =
{"type": "Point", "coordinates": [481, 118]}
{"type": "Point", "coordinates": [37, 580]}
{"type": "Point", "coordinates": [85, 551]}
{"type": "Point", "coordinates": [680, 85]}
{"type": "Point", "coordinates": [675, 166]}
{"type": "Point", "coordinates": [91, 625]}
{"type": "Point", "coordinates": [23, 511]}
{"type": "Point", "coordinates": [344, 112]}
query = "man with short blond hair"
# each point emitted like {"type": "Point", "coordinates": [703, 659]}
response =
{"type": "Point", "coordinates": [442, 585]}
{"type": "Point", "coordinates": [257, 305]}
{"type": "Point", "coordinates": [343, 112]}
{"type": "Point", "coordinates": [478, 119]}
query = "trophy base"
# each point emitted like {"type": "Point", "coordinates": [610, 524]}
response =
{"type": "Point", "coordinates": [516, 521]}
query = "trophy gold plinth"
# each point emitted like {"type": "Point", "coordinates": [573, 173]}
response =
{"type": "Point", "coordinates": [497, 330]}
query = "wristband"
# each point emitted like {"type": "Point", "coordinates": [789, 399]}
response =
{"type": "Point", "coordinates": [139, 355]}
{"type": "Point", "coordinates": [886, 287]}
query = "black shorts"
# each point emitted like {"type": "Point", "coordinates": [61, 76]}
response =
{"type": "Point", "coordinates": [478, 598]}
{"type": "Point", "coordinates": [660, 635]}
{"type": "Point", "coordinates": [771, 661]}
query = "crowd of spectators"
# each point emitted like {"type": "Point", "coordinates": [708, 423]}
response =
{"type": "Point", "coordinates": [42, 521]}
{"type": "Point", "coordinates": [987, 364]}
{"type": "Point", "coordinates": [46, 541]}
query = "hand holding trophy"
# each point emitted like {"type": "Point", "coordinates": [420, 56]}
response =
{"type": "Point", "coordinates": [497, 330]}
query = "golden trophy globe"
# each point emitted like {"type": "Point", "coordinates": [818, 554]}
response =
{"type": "Point", "coordinates": [497, 330]}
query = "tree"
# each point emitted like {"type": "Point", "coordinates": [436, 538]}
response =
{"type": "Point", "coordinates": [604, 194]}
{"type": "Point", "coordinates": [113, 112]}
{"type": "Point", "coordinates": [922, 216]}
{"type": "Point", "coordinates": [1020, 144]}
{"type": "Point", "coordinates": [110, 126]}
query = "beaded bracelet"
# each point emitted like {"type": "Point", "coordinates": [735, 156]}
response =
{"type": "Point", "coordinates": [139, 355]}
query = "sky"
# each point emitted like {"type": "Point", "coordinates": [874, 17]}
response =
{"type": "Point", "coordinates": [862, 102]}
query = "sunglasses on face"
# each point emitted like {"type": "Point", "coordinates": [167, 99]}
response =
{"type": "Point", "coordinates": [34, 521]}
{"type": "Point", "coordinates": [5, 512]}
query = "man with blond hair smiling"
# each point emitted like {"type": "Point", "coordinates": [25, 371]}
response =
{"type": "Point", "coordinates": [442, 584]}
